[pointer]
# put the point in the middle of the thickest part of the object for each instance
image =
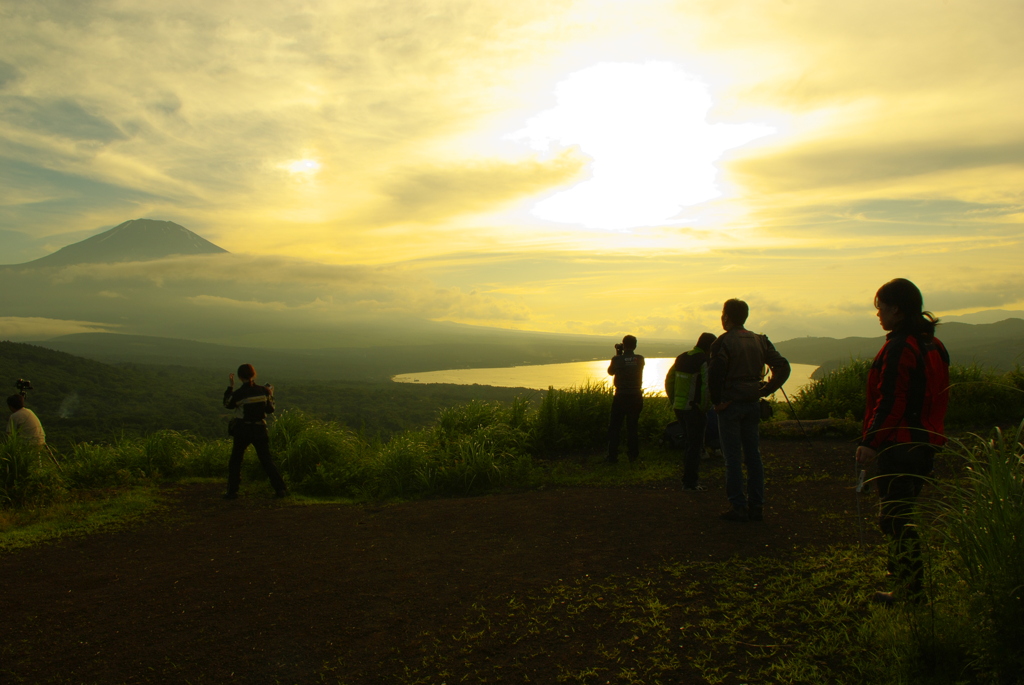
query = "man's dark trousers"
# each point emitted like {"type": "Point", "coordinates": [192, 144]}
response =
{"type": "Point", "coordinates": [255, 435]}
{"type": "Point", "coordinates": [695, 422]}
{"type": "Point", "coordinates": [626, 407]}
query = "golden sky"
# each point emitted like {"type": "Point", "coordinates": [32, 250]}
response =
{"type": "Point", "coordinates": [590, 166]}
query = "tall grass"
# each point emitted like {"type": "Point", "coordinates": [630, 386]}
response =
{"type": "Point", "coordinates": [573, 420]}
{"type": "Point", "coordinates": [981, 526]}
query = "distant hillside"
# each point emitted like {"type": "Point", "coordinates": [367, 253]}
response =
{"type": "Point", "coordinates": [135, 240]}
{"type": "Point", "coordinates": [80, 399]}
{"type": "Point", "coordinates": [480, 348]}
{"type": "Point", "coordinates": [998, 346]}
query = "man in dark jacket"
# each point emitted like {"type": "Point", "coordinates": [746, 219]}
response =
{"type": "Point", "coordinates": [687, 388]}
{"type": "Point", "coordinates": [736, 385]}
{"type": "Point", "coordinates": [256, 402]}
{"type": "Point", "coordinates": [627, 368]}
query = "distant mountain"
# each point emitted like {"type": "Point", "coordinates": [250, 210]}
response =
{"type": "Point", "coordinates": [987, 316]}
{"type": "Point", "coordinates": [133, 241]}
{"type": "Point", "coordinates": [997, 346]}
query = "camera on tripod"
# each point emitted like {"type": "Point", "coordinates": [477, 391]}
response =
{"type": "Point", "coordinates": [22, 386]}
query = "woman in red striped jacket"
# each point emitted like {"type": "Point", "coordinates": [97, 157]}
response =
{"type": "Point", "coordinates": [907, 395]}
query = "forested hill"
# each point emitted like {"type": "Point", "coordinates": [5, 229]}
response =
{"type": "Point", "coordinates": [998, 346]}
{"type": "Point", "coordinates": [83, 399]}
{"type": "Point", "coordinates": [80, 399]}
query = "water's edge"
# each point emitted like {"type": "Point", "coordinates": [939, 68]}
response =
{"type": "Point", "coordinates": [570, 374]}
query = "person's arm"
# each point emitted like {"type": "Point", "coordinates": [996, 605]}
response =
{"type": "Point", "coordinates": [670, 384]}
{"type": "Point", "coordinates": [229, 400]}
{"type": "Point", "coordinates": [270, 399]}
{"type": "Point", "coordinates": [779, 366]}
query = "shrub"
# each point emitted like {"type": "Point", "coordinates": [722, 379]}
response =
{"type": "Point", "coordinates": [841, 393]}
{"type": "Point", "coordinates": [981, 397]}
{"type": "Point", "coordinates": [24, 477]}
{"type": "Point", "coordinates": [573, 419]}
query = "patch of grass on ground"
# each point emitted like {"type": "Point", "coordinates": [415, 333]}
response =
{"type": "Point", "coordinates": [91, 513]}
{"type": "Point", "coordinates": [752, 620]}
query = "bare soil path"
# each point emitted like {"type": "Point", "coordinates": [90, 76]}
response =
{"type": "Point", "coordinates": [262, 591]}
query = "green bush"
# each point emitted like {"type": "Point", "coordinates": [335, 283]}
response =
{"type": "Point", "coordinates": [573, 420]}
{"type": "Point", "coordinates": [25, 478]}
{"type": "Point", "coordinates": [977, 396]}
{"type": "Point", "coordinates": [92, 465]}
{"type": "Point", "coordinates": [839, 394]}
{"type": "Point", "coordinates": [205, 458]}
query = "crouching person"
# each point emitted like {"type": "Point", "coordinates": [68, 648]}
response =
{"type": "Point", "coordinates": [256, 402]}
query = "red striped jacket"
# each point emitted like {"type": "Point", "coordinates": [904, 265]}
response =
{"type": "Point", "coordinates": [908, 391]}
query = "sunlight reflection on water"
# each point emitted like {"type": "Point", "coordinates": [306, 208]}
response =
{"type": "Point", "coordinates": [561, 376]}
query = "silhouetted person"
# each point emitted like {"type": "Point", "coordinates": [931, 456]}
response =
{"type": "Point", "coordinates": [627, 368]}
{"type": "Point", "coordinates": [904, 421]}
{"type": "Point", "coordinates": [735, 375]}
{"type": "Point", "coordinates": [256, 402]}
{"type": "Point", "coordinates": [24, 422]}
{"type": "Point", "coordinates": [686, 385]}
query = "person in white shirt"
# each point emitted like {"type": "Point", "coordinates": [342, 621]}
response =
{"type": "Point", "coordinates": [24, 422]}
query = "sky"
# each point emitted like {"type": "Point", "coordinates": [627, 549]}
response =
{"type": "Point", "coordinates": [573, 166]}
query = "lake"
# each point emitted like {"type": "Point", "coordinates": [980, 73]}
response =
{"type": "Point", "coordinates": [561, 376]}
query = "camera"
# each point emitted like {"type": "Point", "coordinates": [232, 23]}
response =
{"type": "Point", "coordinates": [619, 348]}
{"type": "Point", "coordinates": [23, 385]}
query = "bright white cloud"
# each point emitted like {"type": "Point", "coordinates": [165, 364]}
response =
{"type": "Point", "coordinates": [645, 127]}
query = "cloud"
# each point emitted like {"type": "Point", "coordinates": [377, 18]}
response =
{"type": "Point", "coordinates": [426, 195]}
{"type": "Point", "coordinates": [61, 117]}
{"type": "Point", "coordinates": [20, 328]}
{"type": "Point", "coordinates": [812, 167]}
{"type": "Point", "coordinates": [8, 73]}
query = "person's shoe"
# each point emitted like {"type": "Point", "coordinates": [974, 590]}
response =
{"type": "Point", "coordinates": [756, 513]}
{"type": "Point", "coordinates": [694, 488]}
{"type": "Point", "coordinates": [738, 514]}
{"type": "Point", "coordinates": [283, 492]}
{"type": "Point", "coordinates": [230, 495]}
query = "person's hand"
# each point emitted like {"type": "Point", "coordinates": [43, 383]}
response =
{"type": "Point", "coordinates": [722, 406]}
{"type": "Point", "coordinates": [865, 455]}
{"type": "Point", "coordinates": [231, 379]}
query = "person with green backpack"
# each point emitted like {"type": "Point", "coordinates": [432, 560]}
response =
{"type": "Point", "coordinates": [687, 388]}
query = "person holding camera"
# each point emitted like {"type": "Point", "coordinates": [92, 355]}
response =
{"type": "Point", "coordinates": [627, 368]}
{"type": "Point", "coordinates": [24, 422]}
{"type": "Point", "coordinates": [256, 402]}
{"type": "Point", "coordinates": [736, 386]}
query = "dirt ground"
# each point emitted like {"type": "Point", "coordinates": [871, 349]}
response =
{"type": "Point", "coordinates": [264, 591]}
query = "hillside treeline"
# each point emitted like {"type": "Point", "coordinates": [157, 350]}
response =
{"type": "Point", "coordinates": [79, 399]}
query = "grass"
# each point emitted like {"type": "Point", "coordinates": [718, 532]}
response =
{"type": "Point", "coordinates": [756, 620]}
{"type": "Point", "coordinates": [89, 513]}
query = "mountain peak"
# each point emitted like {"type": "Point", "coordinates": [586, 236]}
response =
{"type": "Point", "coordinates": [137, 240]}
